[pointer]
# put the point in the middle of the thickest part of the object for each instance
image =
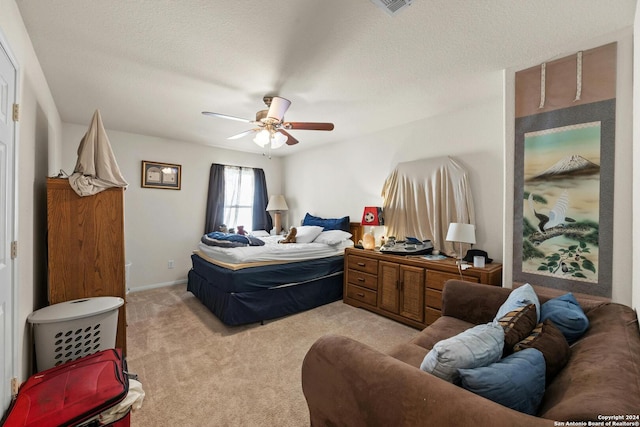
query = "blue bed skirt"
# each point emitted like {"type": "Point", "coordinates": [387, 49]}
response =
{"type": "Point", "coordinates": [255, 294]}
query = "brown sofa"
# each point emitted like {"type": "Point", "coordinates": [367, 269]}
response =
{"type": "Point", "coordinates": [347, 383]}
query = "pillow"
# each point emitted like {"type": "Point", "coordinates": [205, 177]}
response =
{"type": "Point", "coordinates": [327, 223]}
{"type": "Point", "coordinates": [307, 233]}
{"type": "Point", "coordinates": [516, 382]}
{"type": "Point", "coordinates": [567, 315]}
{"type": "Point", "coordinates": [260, 233]}
{"type": "Point", "coordinates": [519, 297]}
{"type": "Point", "coordinates": [517, 325]}
{"type": "Point", "coordinates": [332, 237]}
{"type": "Point", "coordinates": [475, 347]}
{"type": "Point", "coordinates": [551, 343]}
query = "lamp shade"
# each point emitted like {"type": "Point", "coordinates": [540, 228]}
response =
{"type": "Point", "coordinates": [372, 215]}
{"type": "Point", "coordinates": [277, 203]}
{"type": "Point", "coordinates": [262, 137]}
{"type": "Point", "coordinates": [278, 140]}
{"type": "Point", "coordinates": [463, 233]}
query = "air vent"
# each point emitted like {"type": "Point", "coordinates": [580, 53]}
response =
{"type": "Point", "coordinates": [392, 7]}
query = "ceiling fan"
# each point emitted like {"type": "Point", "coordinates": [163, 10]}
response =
{"type": "Point", "coordinates": [271, 128]}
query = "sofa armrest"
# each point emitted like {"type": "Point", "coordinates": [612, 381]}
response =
{"type": "Point", "coordinates": [472, 302]}
{"type": "Point", "coordinates": [347, 383]}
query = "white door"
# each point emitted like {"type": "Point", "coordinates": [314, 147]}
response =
{"type": "Point", "coordinates": [7, 99]}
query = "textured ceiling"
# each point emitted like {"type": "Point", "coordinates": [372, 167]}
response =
{"type": "Point", "coordinates": [152, 66]}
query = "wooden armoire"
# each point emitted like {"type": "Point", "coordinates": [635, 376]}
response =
{"type": "Point", "coordinates": [85, 238]}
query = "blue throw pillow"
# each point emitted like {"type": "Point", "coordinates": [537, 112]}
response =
{"type": "Point", "coordinates": [475, 347]}
{"type": "Point", "coordinates": [327, 223]}
{"type": "Point", "coordinates": [517, 381]}
{"type": "Point", "coordinates": [520, 297]}
{"type": "Point", "coordinates": [567, 315]}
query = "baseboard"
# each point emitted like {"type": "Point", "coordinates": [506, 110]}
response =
{"type": "Point", "coordinates": [157, 285]}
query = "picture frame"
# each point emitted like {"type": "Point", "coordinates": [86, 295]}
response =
{"type": "Point", "coordinates": [166, 176]}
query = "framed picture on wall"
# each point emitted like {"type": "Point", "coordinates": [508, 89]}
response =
{"type": "Point", "coordinates": [161, 175]}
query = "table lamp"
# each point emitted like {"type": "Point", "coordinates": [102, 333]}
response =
{"type": "Point", "coordinates": [461, 233]}
{"type": "Point", "coordinates": [277, 205]}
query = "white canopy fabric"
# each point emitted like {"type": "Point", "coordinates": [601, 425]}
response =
{"type": "Point", "coordinates": [421, 198]}
{"type": "Point", "coordinates": [96, 168]}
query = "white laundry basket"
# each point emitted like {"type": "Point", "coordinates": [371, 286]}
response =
{"type": "Point", "coordinates": [72, 329]}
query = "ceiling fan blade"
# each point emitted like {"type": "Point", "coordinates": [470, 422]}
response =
{"type": "Point", "coordinates": [278, 107]}
{"type": "Point", "coordinates": [308, 126]}
{"type": "Point", "coordinates": [245, 133]}
{"type": "Point", "coordinates": [225, 116]}
{"type": "Point", "coordinates": [290, 140]}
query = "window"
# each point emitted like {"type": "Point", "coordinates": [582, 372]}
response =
{"type": "Point", "coordinates": [239, 195]}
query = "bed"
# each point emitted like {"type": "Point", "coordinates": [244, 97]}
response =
{"type": "Point", "coordinates": [250, 284]}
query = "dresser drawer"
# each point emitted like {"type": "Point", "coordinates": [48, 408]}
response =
{"type": "Point", "coordinates": [433, 298]}
{"type": "Point", "coordinates": [431, 315]}
{"type": "Point", "coordinates": [436, 279]}
{"type": "Point", "coordinates": [364, 295]}
{"type": "Point", "coordinates": [367, 265]}
{"type": "Point", "coordinates": [360, 278]}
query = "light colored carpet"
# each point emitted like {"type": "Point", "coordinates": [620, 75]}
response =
{"type": "Point", "coordinates": [196, 371]}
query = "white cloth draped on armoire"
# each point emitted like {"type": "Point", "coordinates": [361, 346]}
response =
{"type": "Point", "coordinates": [422, 197]}
{"type": "Point", "coordinates": [96, 168]}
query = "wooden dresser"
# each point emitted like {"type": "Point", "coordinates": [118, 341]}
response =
{"type": "Point", "coordinates": [407, 289]}
{"type": "Point", "coordinates": [85, 238]}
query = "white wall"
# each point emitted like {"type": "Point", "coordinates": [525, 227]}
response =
{"type": "Point", "coordinates": [163, 225]}
{"type": "Point", "coordinates": [623, 215]}
{"type": "Point", "coordinates": [343, 178]}
{"type": "Point", "coordinates": [38, 142]}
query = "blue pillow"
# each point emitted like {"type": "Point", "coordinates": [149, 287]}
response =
{"type": "Point", "coordinates": [517, 381]}
{"type": "Point", "coordinates": [520, 297]}
{"type": "Point", "coordinates": [327, 223]}
{"type": "Point", "coordinates": [475, 347]}
{"type": "Point", "coordinates": [565, 312]}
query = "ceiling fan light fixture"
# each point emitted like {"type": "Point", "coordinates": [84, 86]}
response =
{"type": "Point", "coordinates": [265, 136]}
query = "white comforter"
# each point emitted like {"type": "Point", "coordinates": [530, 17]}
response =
{"type": "Point", "coordinates": [273, 251]}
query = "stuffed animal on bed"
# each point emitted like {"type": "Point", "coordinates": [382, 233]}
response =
{"type": "Point", "coordinates": [291, 237]}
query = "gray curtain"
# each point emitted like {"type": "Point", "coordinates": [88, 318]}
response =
{"type": "Point", "coordinates": [261, 218]}
{"type": "Point", "coordinates": [214, 217]}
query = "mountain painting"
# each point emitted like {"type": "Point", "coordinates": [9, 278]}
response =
{"type": "Point", "coordinates": [561, 203]}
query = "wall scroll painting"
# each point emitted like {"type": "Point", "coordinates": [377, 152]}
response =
{"type": "Point", "coordinates": [563, 189]}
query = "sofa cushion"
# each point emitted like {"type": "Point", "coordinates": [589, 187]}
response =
{"type": "Point", "coordinates": [473, 348]}
{"type": "Point", "coordinates": [565, 312]}
{"type": "Point", "coordinates": [551, 343]}
{"type": "Point", "coordinates": [517, 325]}
{"type": "Point", "coordinates": [520, 297]}
{"type": "Point", "coordinates": [517, 381]}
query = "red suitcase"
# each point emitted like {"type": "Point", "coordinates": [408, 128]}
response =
{"type": "Point", "coordinates": [72, 394]}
